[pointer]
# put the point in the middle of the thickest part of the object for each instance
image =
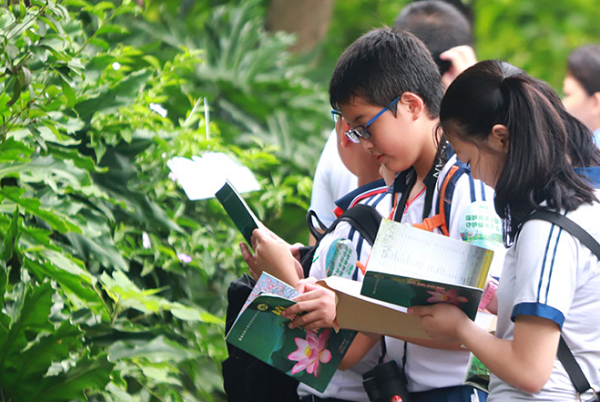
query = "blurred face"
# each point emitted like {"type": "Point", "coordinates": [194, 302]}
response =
{"type": "Point", "coordinates": [486, 158]}
{"type": "Point", "coordinates": [579, 103]}
{"type": "Point", "coordinates": [395, 141]}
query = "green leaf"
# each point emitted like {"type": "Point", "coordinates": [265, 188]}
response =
{"type": "Point", "coordinates": [12, 150]}
{"type": "Point", "coordinates": [158, 350]}
{"type": "Point", "coordinates": [31, 315]}
{"type": "Point", "coordinates": [122, 94]}
{"type": "Point", "coordinates": [76, 286]}
{"type": "Point", "coordinates": [16, 92]}
{"type": "Point", "coordinates": [33, 207]}
{"type": "Point", "coordinates": [76, 3]}
{"type": "Point", "coordinates": [89, 375]}
{"type": "Point", "coordinates": [69, 92]}
{"type": "Point", "coordinates": [34, 362]}
{"type": "Point", "coordinates": [10, 237]}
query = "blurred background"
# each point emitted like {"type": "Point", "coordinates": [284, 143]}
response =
{"type": "Point", "coordinates": [113, 283]}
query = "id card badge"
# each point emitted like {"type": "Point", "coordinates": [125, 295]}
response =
{"type": "Point", "coordinates": [341, 258]}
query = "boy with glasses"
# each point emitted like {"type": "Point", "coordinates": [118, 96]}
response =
{"type": "Point", "coordinates": [388, 89]}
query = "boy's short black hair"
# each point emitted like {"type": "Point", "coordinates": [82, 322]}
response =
{"type": "Point", "coordinates": [383, 64]}
{"type": "Point", "coordinates": [440, 25]}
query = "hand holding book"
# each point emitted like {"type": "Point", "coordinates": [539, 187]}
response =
{"type": "Point", "coordinates": [442, 322]}
{"type": "Point", "coordinates": [272, 255]}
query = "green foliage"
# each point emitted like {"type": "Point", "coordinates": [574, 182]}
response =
{"type": "Point", "coordinates": [99, 300]}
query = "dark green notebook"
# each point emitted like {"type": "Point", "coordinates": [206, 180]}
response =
{"type": "Point", "coordinates": [238, 210]}
{"type": "Point", "coordinates": [411, 267]}
{"type": "Point", "coordinates": [260, 330]}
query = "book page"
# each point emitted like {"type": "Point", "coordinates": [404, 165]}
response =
{"type": "Point", "coordinates": [400, 249]}
{"type": "Point", "coordinates": [269, 284]}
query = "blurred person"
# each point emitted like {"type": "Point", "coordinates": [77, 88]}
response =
{"type": "Point", "coordinates": [445, 31]}
{"type": "Point", "coordinates": [581, 87]}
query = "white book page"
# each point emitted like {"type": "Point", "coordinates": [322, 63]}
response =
{"type": "Point", "coordinates": [400, 249]}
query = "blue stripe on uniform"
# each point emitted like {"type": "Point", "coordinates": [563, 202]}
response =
{"type": "Point", "coordinates": [472, 187]}
{"type": "Point", "coordinates": [552, 264]}
{"type": "Point", "coordinates": [538, 310]}
{"type": "Point", "coordinates": [482, 190]}
{"type": "Point", "coordinates": [544, 263]}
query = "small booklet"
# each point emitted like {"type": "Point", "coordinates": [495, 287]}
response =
{"type": "Point", "coordinates": [260, 330]}
{"type": "Point", "coordinates": [411, 267]}
{"type": "Point", "coordinates": [238, 210]}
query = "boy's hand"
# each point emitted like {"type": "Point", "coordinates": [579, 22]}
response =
{"type": "Point", "coordinates": [460, 58]}
{"type": "Point", "coordinates": [247, 255]}
{"type": "Point", "coordinates": [272, 254]}
{"type": "Point", "coordinates": [319, 305]}
{"type": "Point", "coordinates": [441, 321]}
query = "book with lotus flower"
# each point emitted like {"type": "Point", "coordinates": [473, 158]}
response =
{"type": "Point", "coordinates": [260, 330]}
{"type": "Point", "coordinates": [410, 267]}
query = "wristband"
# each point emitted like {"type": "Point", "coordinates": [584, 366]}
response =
{"type": "Point", "coordinates": [488, 294]}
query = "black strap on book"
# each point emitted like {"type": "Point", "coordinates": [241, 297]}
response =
{"type": "Point", "coordinates": [564, 352]}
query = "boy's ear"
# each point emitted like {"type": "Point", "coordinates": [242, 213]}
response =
{"type": "Point", "coordinates": [596, 104]}
{"type": "Point", "coordinates": [413, 104]}
{"type": "Point", "coordinates": [499, 138]}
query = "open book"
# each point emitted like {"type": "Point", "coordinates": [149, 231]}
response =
{"type": "Point", "coordinates": [410, 267]}
{"type": "Point", "coordinates": [238, 210]}
{"type": "Point", "coordinates": [260, 330]}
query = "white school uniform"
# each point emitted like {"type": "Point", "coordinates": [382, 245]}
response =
{"type": "Point", "coordinates": [331, 182]}
{"type": "Point", "coordinates": [347, 385]}
{"type": "Point", "coordinates": [428, 368]}
{"type": "Point", "coordinates": [548, 273]}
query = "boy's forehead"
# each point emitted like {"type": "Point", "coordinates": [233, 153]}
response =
{"type": "Point", "coordinates": [357, 107]}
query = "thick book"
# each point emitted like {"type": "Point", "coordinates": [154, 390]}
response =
{"type": "Point", "coordinates": [312, 357]}
{"type": "Point", "coordinates": [411, 267]}
{"type": "Point", "coordinates": [235, 206]}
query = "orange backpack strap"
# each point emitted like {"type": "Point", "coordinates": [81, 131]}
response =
{"type": "Point", "coordinates": [439, 220]}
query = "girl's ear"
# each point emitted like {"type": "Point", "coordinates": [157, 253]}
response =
{"type": "Point", "coordinates": [499, 138]}
{"type": "Point", "coordinates": [413, 104]}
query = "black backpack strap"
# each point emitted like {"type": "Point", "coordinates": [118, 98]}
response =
{"type": "Point", "coordinates": [560, 220]}
{"type": "Point", "coordinates": [364, 218]}
{"type": "Point", "coordinates": [311, 217]}
{"type": "Point", "coordinates": [564, 352]}
{"type": "Point", "coordinates": [572, 367]}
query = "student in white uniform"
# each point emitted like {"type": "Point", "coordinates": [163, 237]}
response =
{"type": "Point", "coordinates": [332, 181]}
{"type": "Point", "coordinates": [514, 133]}
{"type": "Point", "coordinates": [388, 89]}
{"type": "Point", "coordinates": [582, 87]}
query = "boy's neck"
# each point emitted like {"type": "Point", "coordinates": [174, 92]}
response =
{"type": "Point", "coordinates": [425, 162]}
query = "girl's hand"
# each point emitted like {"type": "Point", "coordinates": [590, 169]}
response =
{"type": "Point", "coordinates": [319, 305]}
{"type": "Point", "coordinates": [441, 321]}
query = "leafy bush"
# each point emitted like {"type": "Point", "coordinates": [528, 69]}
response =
{"type": "Point", "coordinates": [112, 283]}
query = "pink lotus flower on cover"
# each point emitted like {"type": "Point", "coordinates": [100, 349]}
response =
{"type": "Point", "coordinates": [449, 296]}
{"type": "Point", "coordinates": [311, 353]}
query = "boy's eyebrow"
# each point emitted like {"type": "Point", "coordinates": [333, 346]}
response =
{"type": "Point", "coordinates": [358, 118]}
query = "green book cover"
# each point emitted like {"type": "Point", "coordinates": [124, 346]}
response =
{"type": "Point", "coordinates": [238, 210]}
{"type": "Point", "coordinates": [410, 267]}
{"type": "Point", "coordinates": [311, 357]}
